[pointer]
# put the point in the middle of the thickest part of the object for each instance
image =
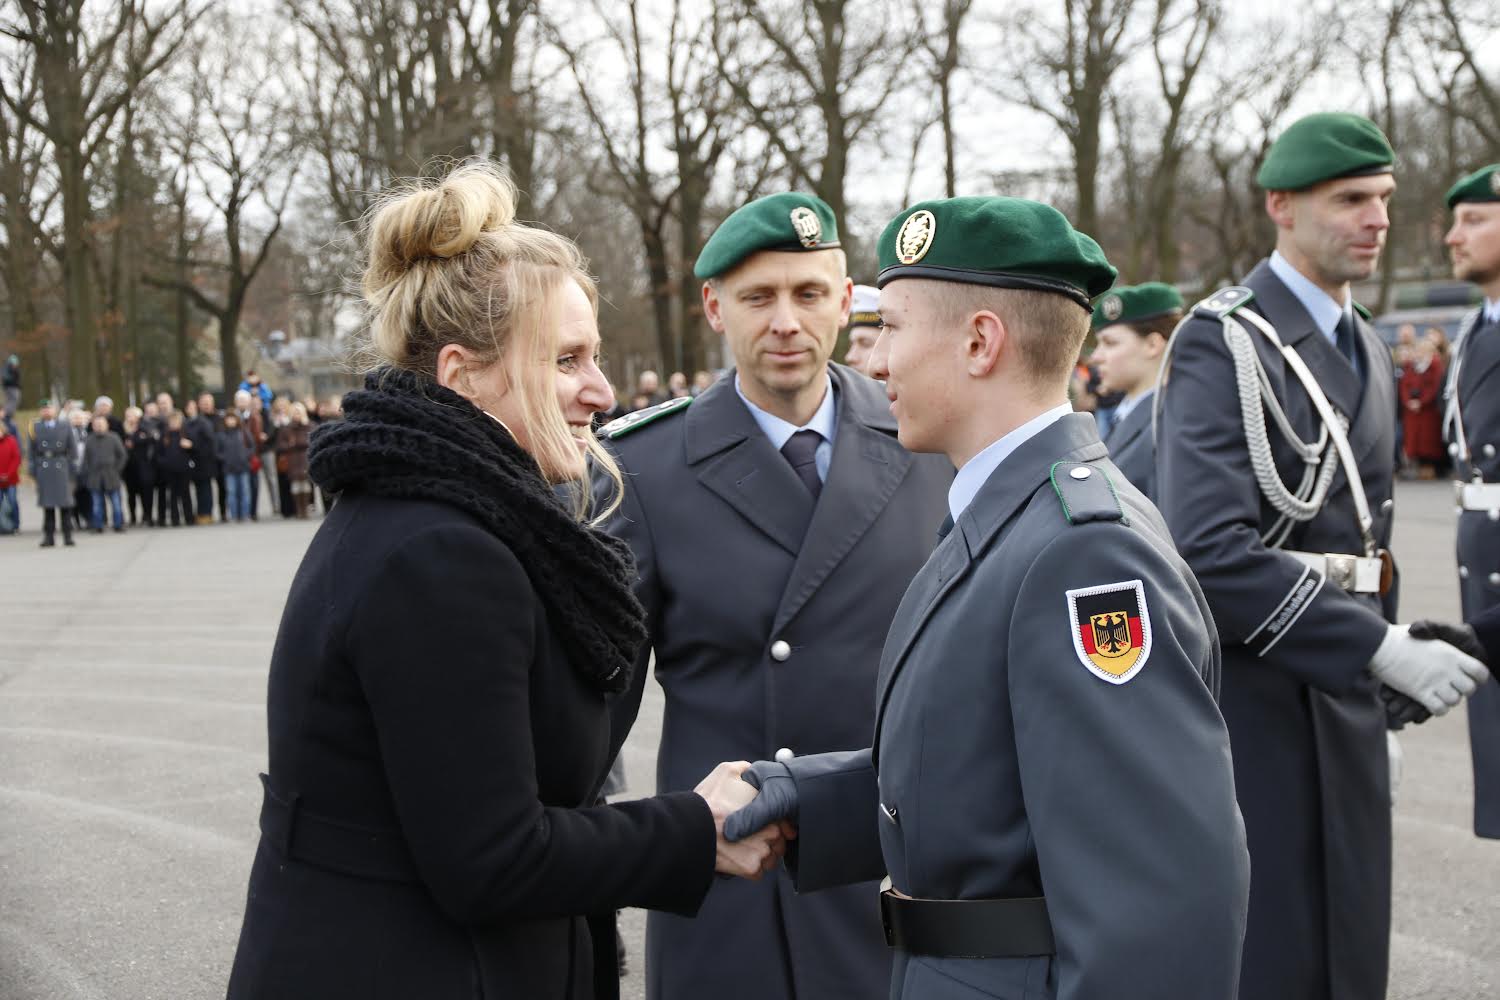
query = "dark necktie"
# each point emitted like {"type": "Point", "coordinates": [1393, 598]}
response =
{"type": "Point", "coordinates": [1345, 340]}
{"type": "Point", "coordinates": [945, 527]}
{"type": "Point", "coordinates": [801, 452]}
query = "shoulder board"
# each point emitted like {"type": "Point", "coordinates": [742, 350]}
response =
{"type": "Point", "coordinates": [616, 429]}
{"type": "Point", "coordinates": [1363, 311]}
{"type": "Point", "coordinates": [1223, 302]}
{"type": "Point", "coordinates": [1086, 494]}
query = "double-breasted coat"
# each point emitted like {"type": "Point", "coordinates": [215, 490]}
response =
{"type": "Point", "coordinates": [1477, 386]}
{"type": "Point", "coordinates": [1011, 763]}
{"type": "Point", "coordinates": [1132, 447]}
{"type": "Point", "coordinates": [429, 828]}
{"type": "Point", "coordinates": [1305, 719]}
{"type": "Point", "coordinates": [52, 463]}
{"type": "Point", "coordinates": [767, 610]}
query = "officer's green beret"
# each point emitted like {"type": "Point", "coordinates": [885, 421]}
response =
{"type": "Point", "coordinates": [43, 402]}
{"type": "Point", "coordinates": [1135, 303]}
{"type": "Point", "coordinates": [1482, 185]}
{"type": "Point", "coordinates": [1002, 242]}
{"type": "Point", "coordinates": [790, 221]}
{"type": "Point", "coordinates": [1323, 147]}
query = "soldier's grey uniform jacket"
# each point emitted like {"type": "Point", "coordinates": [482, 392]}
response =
{"type": "Point", "coordinates": [52, 452]}
{"type": "Point", "coordinates": [1008, 762]}
{"type": "Point", "coordinates": [766, 613]}
{"type": "Point", "coordinates": [1305, 720]}
{"type": "Point", "coordinates": [1131, 447]}
{"type": "Point", "coordinates": [1476, 389]}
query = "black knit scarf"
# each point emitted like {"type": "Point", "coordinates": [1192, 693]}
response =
{"type": "Point", "coordinates": [406, 436]}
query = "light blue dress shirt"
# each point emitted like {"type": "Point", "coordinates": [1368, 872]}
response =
{"type": "Point", "coordinates": [977, 470]}
{"type": "Point", "coordinates": [825, 421]}
{"type": "Point", "coordinates": [1128, 404]}
{"type": "Point", "coordinates": [1491, 311]}
{"type": "Point", "coordinates": [1324, 311]}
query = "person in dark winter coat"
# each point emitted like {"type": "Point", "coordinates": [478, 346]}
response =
{"type": "Point", "coordinates": [440, 695]}
{"type": "Point", "coordinates": [201, 430]}
{"type": "Point", "coordinates": [52, 468]}
{"type": "Point", "coordinates": [104, 461]}
{"type": "Point", "coordinates": [140, 470]}
{"type": "Point", "coordinates": [174, 470]}
{"type": "Point", "coordinates": [235, 449]}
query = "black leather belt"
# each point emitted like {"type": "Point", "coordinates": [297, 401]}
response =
{"type": "Point", "coordinates": [967, 928]}
{"type": "Point", "coordinates": [364, 851]}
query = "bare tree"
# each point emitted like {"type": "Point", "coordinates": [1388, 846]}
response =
{"type": "Point", "coordinates": [243, 161]}
{"type": "Point", "coordinates": [493, 33]}
{"type": "Point", "coordinates": [941, 44]}
{"type": "Point", "coordinates": [21, 162]}
{"type": "Point", "coordinates": [809, 108]}
{"type": "Point", "coordinates": [76, 63]}
{"type": "Point", "coordinates": [1072, 64]}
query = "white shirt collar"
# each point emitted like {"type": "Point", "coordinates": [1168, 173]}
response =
{"type": "Point", "coordinates": [977, 470]}
{"type": "Point", "coordinates": [824, 421]}
{"type": "Point", "coordinates": [1321, 306]}
{"type": "Point", "coordinates": [1491, 311]}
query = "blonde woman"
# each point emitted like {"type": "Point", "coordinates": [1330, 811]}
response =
{"type": "Point", "coordinates": [291, 457]}
{"type": "Point", "coordinates": [439, 701]}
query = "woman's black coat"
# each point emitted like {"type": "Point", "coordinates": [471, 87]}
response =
{"type": "Point", "coordinates": [435, 759]}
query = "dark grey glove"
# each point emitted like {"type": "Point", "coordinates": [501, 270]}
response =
{"type": "Point", "coordinates": [1401, 710]}
{"type": "Point", "coordinates": [1460, 636]}
{"type": "Point", "coordinates": [777, 800]}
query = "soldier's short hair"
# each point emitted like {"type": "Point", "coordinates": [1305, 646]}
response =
{"type": "Point", "coordinates": [1049, 329]}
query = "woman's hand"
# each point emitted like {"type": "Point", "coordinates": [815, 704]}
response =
{"type": "Point", "coordinates": [755, 855]}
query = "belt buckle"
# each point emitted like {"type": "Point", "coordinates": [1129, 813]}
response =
{"type": "Point", "coordinates": [1341, 570]}
{"type": "Point", "coordinates": [885, 911]}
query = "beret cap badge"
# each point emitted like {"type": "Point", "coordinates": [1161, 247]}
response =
{"type": "Point", "coordinates": [1495, 182]}
{"type": "Point", "coordinates": [805, 223]}
{"type": "Point", "coordinates": [915, 237]}
{"type": "Point", "coordinates": [1113, 307]}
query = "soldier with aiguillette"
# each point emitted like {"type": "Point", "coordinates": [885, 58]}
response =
{"type": "Point", "coordinates": [1275, 447]}
{"type": "Point", "coordinates": [1473, 421]}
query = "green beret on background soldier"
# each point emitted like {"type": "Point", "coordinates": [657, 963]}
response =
{"type": "Point", "coordinates": [1473, 425]}
{"type": "Point", "coordinates": [775, 522]}
{"type": "Point", "coordinates": [864, 326]}
{"type": "Point", "coordinates": [1285, 516]}
{"type": "Point", "coordinates": [1049, 789]}
{"type": "Point", "coordinates": [1131, 327]}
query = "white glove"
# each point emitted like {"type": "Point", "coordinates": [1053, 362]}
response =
{"type": "Point", "coordinates": [1430, 671]}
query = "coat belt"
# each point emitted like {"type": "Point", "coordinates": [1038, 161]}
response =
{"type": "Point", "coordinates": [1478, 496]}
{"type": "Point", "coordinates": [363, 851]}
{"type": "Point", "coordinates": [1351, 573]}
{"type": "Point", "coordinates": [966, 928]}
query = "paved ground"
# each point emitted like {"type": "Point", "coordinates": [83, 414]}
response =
{"type": "Point", "coordinates": [132, 675]}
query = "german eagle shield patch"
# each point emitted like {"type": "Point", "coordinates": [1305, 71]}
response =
{"type": "Point", "coordinates": [1111, 629]}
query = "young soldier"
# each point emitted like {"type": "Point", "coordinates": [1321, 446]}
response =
{"type": "Point", "coordinates": [1282, 507]}
{"type": "Point", "coordinates": [775, 522]}
{"type": "Point", "coordinates": [1049, 788]}
{"type": "Point", "coordinates": [52, 467]}
{"type": "Point", "coordinates": [1131, 325]}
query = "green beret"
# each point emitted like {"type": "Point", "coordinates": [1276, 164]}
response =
{"type": "Point", "coordinates": [1002, 242]}
{"type": "Point", "coordinates": [1135, 303]}
{"type": "Point", "coordinates": [790, 221]}
{"type": "Point", "coordinates": [1323, 147]}
{"type": "Point", "coordinates": [1482, 185]}
{"type": "Point", "coordinates": [43, 402]}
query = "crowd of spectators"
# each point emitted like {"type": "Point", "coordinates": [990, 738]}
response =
{"type": "Point", "coordinates": [158, 466]}
{"type": "Point", "coordinates": [1421, 368]}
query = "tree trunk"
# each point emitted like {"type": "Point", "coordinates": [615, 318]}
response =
{"type": "Point", "coordinates": [659, 276]}
{"type": "Point", "coordinates": [229, 335]}
{"type": "Point", "coordinates": [184, 354]}
{"type": "Point", "coordinates": [83, 327]}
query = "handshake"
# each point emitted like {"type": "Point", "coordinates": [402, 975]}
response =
{"type": "Point", "coordinates": [751, 840]}
{"type": "Point", "coordinates": [1427, 668]}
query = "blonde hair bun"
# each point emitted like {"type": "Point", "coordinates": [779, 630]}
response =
{"type": "Point", "coordinates": [437, 219]}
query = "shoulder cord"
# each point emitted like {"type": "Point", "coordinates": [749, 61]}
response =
{"type": "Point", "coordinates": [1320, 459]}
{"type": "Point", "coordinates": [1452, 413]}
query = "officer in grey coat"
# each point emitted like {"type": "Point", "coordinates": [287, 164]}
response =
{"type": "Point", "coordinates": [775, 522]}
{"type": "Point", "coordinates": [1049, 787]}
{"type": "Point", "coordinates": [1474, 431]}
{"type": "Point", "coordinates": [52, 450]}
{"type": "Point", "coordinates": [1131, 327]}
{"type": "Point", "coordinates": [1280, 500]}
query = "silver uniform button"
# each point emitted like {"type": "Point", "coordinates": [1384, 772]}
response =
{"type": "Point", "coordinates": [1489, 451]}
{"type": "Point", "coordinates": [1081, 472]}
{"type": "Point", "coordinates": [780, 650]}
{"type": "Point", "coordinates": [784, 755]}
{"type": "Point", "coordinates": [1453, 449]}
{"type": "Point", "coordinates": [1495, 513]}
{"type": "Point", "coordinates": [1463, 572]}
{"type": "Point", "coordinates": [1495, 579]}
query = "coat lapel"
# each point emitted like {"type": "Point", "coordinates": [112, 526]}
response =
{"type": "Point", "coordinates": [735, 460]}
{"type": "Point", "coordinates": [1340, 383]}
{"type": "Point", "coordinates": [867, 468]}
{"type": "Point", "coordinates": [1373, 422]}
{"type": "Point", "coordinates": [1136, 423]}
{"type": "Point", "coordinates": [1009, 488]}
